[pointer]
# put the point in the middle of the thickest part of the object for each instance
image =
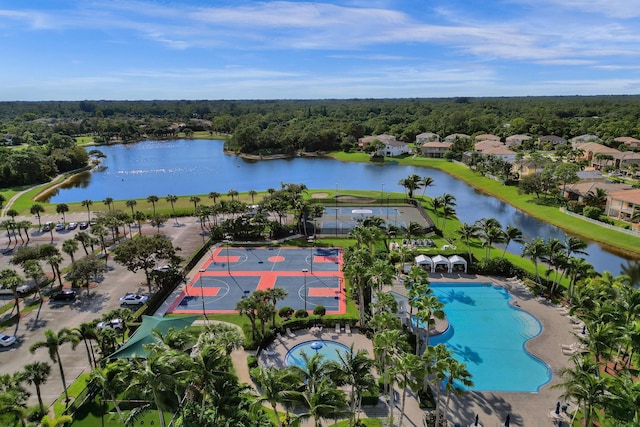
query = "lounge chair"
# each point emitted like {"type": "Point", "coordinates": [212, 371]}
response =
{"type": "Point", "coordinates": [338, 328]}
{"type": "Point", "coordinates": [290, 334]}
{"type": "Point", "coordinates": [347, 328]}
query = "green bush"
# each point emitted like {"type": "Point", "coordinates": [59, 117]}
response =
{"type": "Point", "coordinates": [497, 267]}
{"type": "Point", "coordinates": [285, 313]}
{"type": "Point", "coordinates": [592, 212]}
{"type": "Point", "coordinates": [575, 207]}
{"type": "Point", "coordinates": [301, 313]}
{"type": "Point", "coordinates": [319, 310]}
{"type": "Point", "coordinates": [252, 361]}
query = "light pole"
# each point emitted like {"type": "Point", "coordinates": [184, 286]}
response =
{"type": "Point", "coordinates": [304, 271]}
{"type": "Point", "coordinates": [204, 312]}
{"type": "Point", "coordinates": [336, 210]}
{"type": "Point", "coordinates": [226, 241]}
{"type": "Point", "coordinates": [388, 194]}
{"type": "Point", "coordinates": [382, 194]}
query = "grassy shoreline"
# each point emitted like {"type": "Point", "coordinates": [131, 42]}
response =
{"type": "Point", "coordinates": [614, 241]}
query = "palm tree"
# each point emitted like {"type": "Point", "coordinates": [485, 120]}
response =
{"type": "Point", "coordinates": [153, 199]}
{"type": "Point", "coordinates": [52, 342]}
{"type": "Point", "coordinates": [69, 247]}
{"type": "Point", "coordinates": [172, 199]}
{"type": "Point", "coordinates": [110, 381]}
{"type": "Point", "coordinates": [195, 200]}
{"type": "Point", "coordinates": [426, 181]}
{"type": "Point", "coordinates": [534, 250]}
{"type": "Point", "coordinates": [139, 217]}
{"type": "Point", "coordinates": [252, 193]}
{"type": "Point", "coordinates": [583, 383]}
{"type": "Point", "coordinates": [275, 294]}
{"type": "Point", "coordinates": [357, 263]}
{"type": "Point", "coordinates": [87, 204]}
{"type": "Point", "coordinates": [276, 386]}
{"type": "Point", "coordinates": [10, 279]}
{"type": "Point", "coordinates": [59, 421]}
{"type": "Point", "coordinates": [428, 308]}
{"type": "Point", "coordinates": [354, 368]}
{"type": "Point", "coordinates": [54, 261]}
{"type": "Point", "coordinates": [37, 373]}
{"type": "Point", "coordinates": [109, 202]}
{"type": "Point", "coordinates": [511, 234]}
{"type": "Point", "coordinates": [232, 193]}
{"type": "Point", "coordinates": [33, 270]}
{"type": "Point", "coordinates": [385, 347]}
{"type": "Point", "coordinates": [456, 373]}
{"type": "Point", "coordinates": [411, 371]}
{"type": "Point", "coordinates": [468, 232]}
{"type": "Point", "coordinates": [436, 204]}
{"type": "Point", "coordinates": [324, 401]}
{"type": "Point", "coordinates": [24, 225]}
{"type": "Point", "coordinates": [247, 307]}
{"type": "Point", "coordinates": [131, 204]}
{"type": "Point", "coordinates": [36, 209]}
{"type": "Point", "coordinates": [87, 332]}
{"type": "Point", "coordinates": [214, 196]}
{"type": "Point", "coordinates": [62, 208]}
{"type": "Point", "coordinates": [410, 183]}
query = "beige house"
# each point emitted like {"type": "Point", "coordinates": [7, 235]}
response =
{"type": "Point", "coordinates": [435, 149]}
{"type": "Point", "coordinates": [516, 140]}
{"type": "Point", "coordinates": [629, 142]}
{"type": "Point", "coordinates": [487, 136]}
{"type": "Point", "coordinates": [623, 204]}
{"type": "Point", "coordinates": [625, 158]}
{"type": "Point", "coordinates": [500, 151]}
{"type": "Point", "coordinates": [427, 137]}
{"type": "Point", "coordinates": [384, 138]}
{"type": "Point", "coordinates": [456, 137]}
{"type": "Point", "coordinates": [591, 149]}
{"type": "Point", "coordinates": [485, 144]}
{"type": "Point", "coordinates": [580, 190]}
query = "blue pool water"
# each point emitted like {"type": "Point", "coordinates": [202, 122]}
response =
{"type": "Point", "coordinates": [329, 351]}
{"type": "Point", "coordinates": [488, 335]}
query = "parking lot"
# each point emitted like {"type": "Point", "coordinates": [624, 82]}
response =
{"type": "Point", "coordinates": [89, 305]}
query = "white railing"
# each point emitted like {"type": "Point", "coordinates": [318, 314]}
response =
{"type": "Point", "coordinates": [601, 224]}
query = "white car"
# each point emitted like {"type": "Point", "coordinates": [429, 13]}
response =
{"type": "Point", "coordinates": [112, 323]}
{"type": "Point", "coordinates": [133, 299]}
{"type": "Point", "coordinates": [7, 340]}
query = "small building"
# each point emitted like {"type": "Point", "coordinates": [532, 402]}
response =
{"type": "Point", "coordinates": [384, 138]}
{"type": "Point", "coordinates": [435, 149]}
{"type": "Point", "coordinates": [485, 144]}
{"type": "Point", "coordinates": [516, 140]}
{"type": "Point", "coordinates": [592, 152]}
{"type": "Point", "coordinates": [487, 136]}
{"type": "Point", "coordinates": [625, 158]}
{"type": "Point", "coordinates": [457, 261]}
{"type": "Point", "coordinates": [623, 204]}
{"type": "Point", "coordinates": [500, 151]}
{"type": "Point", "coordinates": [629, 142]}
{"type": "Point", "coordinates": [553, 139]}
{"type": "Point", "coordinates": [392, 147]}
{"type": "Point", "coordinates": [454, 137]}
{"type": "Point", "coordinates": [584, 138]}
{"type": "Point", "coordinates": [427, 137]}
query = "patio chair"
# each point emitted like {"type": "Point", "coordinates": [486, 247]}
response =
{"type": "Point", "coordinates": [290, 334]}
{"type": "Point", "coordinates": [347, 328]}
{"type": "Point", "coordinates": [338, 328]}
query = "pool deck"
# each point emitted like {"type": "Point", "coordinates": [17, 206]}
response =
{"type": "Point", "coordinates": [526, 409]}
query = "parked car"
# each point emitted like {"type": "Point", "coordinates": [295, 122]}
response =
{"type": "Point", "coordinates": [48, 226]}
{"type": "Point", "coordinates": [7, 340]}
{"type": "Point", "coordinates": [163, 268]}
{"type": "Point", "coordinates": [84, 225]}
{"type": "Point", "coordinates": [60, 226]}
{"type": "Point", "coordinates": [65, 295]}
{"type": "Point", "coordinates": [133, 299]}
{"type": "Point", "coordinates": [72, 226]}
{"type": "Point", "coordinates": [25, 289]}
{"type": "Point", "coordinates": [111, 323]}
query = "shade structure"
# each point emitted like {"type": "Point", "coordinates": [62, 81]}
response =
{"type": "Point", "coordinates": [458, 260]}
{"type": "Point", "coordinates": [134, 348]}
{"type": "Point", "coordinates": [424, 260]}
{"type": "Point", "coordinates": [441, 260]}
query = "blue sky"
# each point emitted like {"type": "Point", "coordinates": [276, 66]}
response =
{"type": "Point", "coordinates": [158, 49]}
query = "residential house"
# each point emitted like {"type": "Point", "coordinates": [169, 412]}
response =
{"type": "Point", "coordinates": [590, 175]}
{"type": "Point", "coordinates": [487, 136]}
{"type": "Point", "coordinates": [483, 145]}
{"type": "Point", "coordinates": [500, 151]}
{"type": "Point", "coordinates": [623, 204]}
{"type": "Point", "coordinates": [580, 190]}
{"type": "Point", "coordinates": [629, 142]}
{"type": "Point", "coordinates": [435, 149]}
{"type": "Point", "coordinates": [553, 139]}
{"type": "Point", "coordinates": [392, 147]}
{"type": "Point", "coordinates": [516, 140]}
{"type": "Point", "coordinates": [426, 137]}
{"type": "Point", "coordinates": [584, 138]}
{"type": "Point", "coordinates": [625, 158]}
{"type": "Point", "coordinates": [593, 152]}
{"type": "Point", "coordinates": [525, 167]}
{"type": "Point", "coordinates": [456, 137]}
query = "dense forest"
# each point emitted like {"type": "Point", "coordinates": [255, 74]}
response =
{"type": "Point", "coordinates": [288, 126]}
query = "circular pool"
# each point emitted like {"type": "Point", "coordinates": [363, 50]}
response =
{"type": "Point", "coordinates": [328, 349]}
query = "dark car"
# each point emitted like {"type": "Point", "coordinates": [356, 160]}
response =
{"type": "Point", "coordinates": [66, 295]}
{"type": "Point", "coordinates": [72, 226]}
{"type": "Point", "coordinates": [84, 225]}
{"type": "Point", "coordinates": [60, 226]}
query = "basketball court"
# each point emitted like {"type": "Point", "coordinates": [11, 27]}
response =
{"type": "Point", "coordinates": [310, 276]}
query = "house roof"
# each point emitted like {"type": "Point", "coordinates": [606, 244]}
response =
{"type": "Point", "coordinates": [457, 259]}
{"type": "Point", "coordinates": [517, 138]}
{"type": "Point", "coordinates": [582, 188]}
{"type": "Point", "coordinates": [384, 138]}
{"type": "Point", "coordinates": [627, 139]}
{"type": "Point", "coordinates": [626, 155]}
{"type": "Point", "coordinates": [395, 143]}
{"type": "Point", "coordinates": [498, 151]}
{"type": "Point", "coordinates": [553, 139]}
{"type": "Point", "coordinates": [454, 136]}
{"type": "Point", "coordinates": [437, 144]}
{"type": "Point", "coordinates": [594, 147]}
{"type": "Point", "coordinates": [423, 260]}
{"type": "Point", "coordinates": [483, 145]}
{"type": "Point", "coordinates": [488, 136]}
{"type": "Point", "coordinates": [590, 175]}
{"type": "Point", "coordinates": [630, 196]}
{"type": "Point", "coordinates": [427, 135]}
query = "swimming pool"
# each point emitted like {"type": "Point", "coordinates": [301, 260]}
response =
{"type": "Point", "coordinates": [328, 349]}
{"type": "Point", "coordinates": [488, 335]}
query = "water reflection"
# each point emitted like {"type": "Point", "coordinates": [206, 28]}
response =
{"type": "Point", "coordinates": [200, 167]}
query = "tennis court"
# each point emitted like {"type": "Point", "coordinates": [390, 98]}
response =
{"type": "Point", "coordinates": [311, 277]}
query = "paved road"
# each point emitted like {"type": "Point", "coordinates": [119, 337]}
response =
{"type": "Point", "coordinates": [90, 305]}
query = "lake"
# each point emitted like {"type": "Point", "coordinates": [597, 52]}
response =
{"type": "Point", "coordinates": [186, 167]}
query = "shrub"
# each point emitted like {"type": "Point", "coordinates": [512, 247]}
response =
{"type": "Point", "coordinates": [285, 313]}
{"type": "Point", "coordinates": [301, 313]}
{"type": "Point", "coordinates": [575, 206]}
{"type": "Point", "coordinates": [592, 212]}
{"type": "Point", "coordinates": [497, 267]}
{"type": "Point", "coordinates": [319, 310]}
{"type": "Point", "coordinates": [252, 361]}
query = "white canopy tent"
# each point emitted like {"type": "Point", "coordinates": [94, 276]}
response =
{"type": "Point", "coordinates": [457, 260]}
{"type": "Point", "coordinates": [441, 260]}
{"type": "Point", "coordinates": [424, 260]}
